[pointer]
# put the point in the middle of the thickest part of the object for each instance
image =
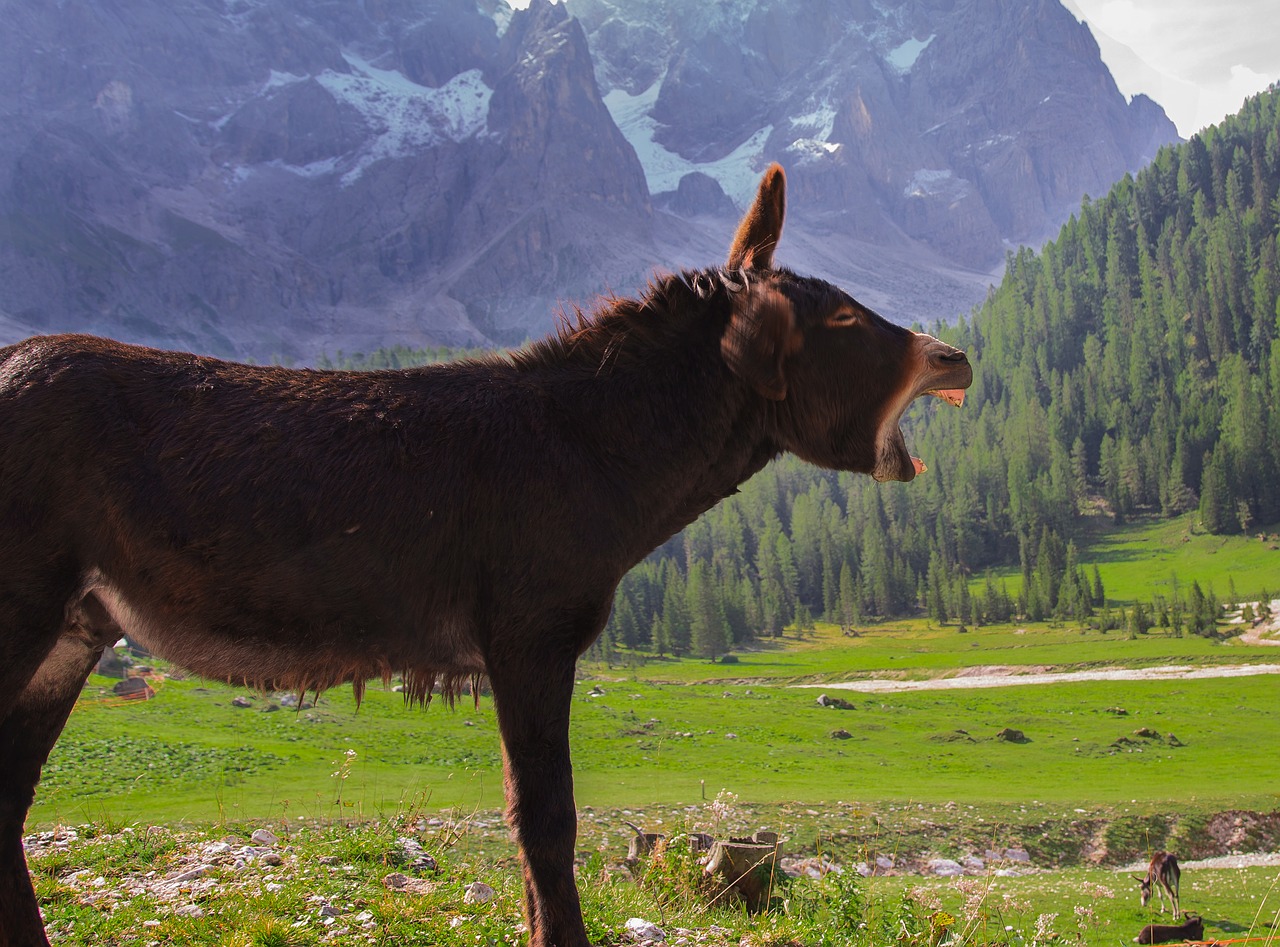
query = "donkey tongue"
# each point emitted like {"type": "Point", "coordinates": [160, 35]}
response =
{"type": "Point", "coordinates": [917, 463]}
{"type": "Point", "coordinates": [953, 396]}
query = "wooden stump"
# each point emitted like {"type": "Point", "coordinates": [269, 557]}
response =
{"type": "Point", "coordinates": [745, 868]}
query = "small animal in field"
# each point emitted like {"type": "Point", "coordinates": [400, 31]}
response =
{"type": "Point", "coordinates": [1192, 928]}
{"type": "Point", "coordinates": [1163, 875]}
{"type": "Point", "coordinates": [298, 529]}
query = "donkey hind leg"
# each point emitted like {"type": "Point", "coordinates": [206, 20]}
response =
{"type": "Point", "coordinates": [533, 716]}
{"type": "Point", "coordinates": [27, 734]}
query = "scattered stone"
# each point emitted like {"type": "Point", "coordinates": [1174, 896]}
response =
{"type": "Point", "coordinates": [414, 855]}
{"type": "Point", "coordinates": [835, 703]}
{"type": "Point", "coordinates": [945, 867]}
{"type": "Point", "coordinates": [189, 910]}
{"type": "Point", "coordinates": [328, 910]}
{"type": "Point", "coordinates": [190, 875]}
{"type": "Point", "coordinates": [134, 688]}
{"type": "Point", "coordinates": [271, 858]}
{"type": "Point", "coordinates": [241, 702]}
{"type": "Point", "coordinates": [478, 893]}
{"type": "Point", "coordinates": [264, 837]}
{"type": "Point", "coordinates": [640, 931]}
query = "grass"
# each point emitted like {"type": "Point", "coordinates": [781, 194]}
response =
{"type": "Point", "coordinates": [1108, 772]}
{"type": "Point", "coordinates": [1150, 556]}
{"type": "Point", "coordinates": [652, 736]}
{"type": "Point", "coordinates": [327, 883]}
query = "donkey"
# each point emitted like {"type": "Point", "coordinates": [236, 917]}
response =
{"type": "Point", "coordinates": [1192, 928]}
{"type": "Point", "coordinates": [1163, 875]}
{"type": "Point", "coordinates": [300, 529]}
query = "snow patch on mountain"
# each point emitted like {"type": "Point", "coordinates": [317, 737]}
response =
{"type": "Point", "coordinates": [927, 182]}
{"type": "Point", "coordinates": [737, 172]}
{"type": "Point", "coordinates": [406, 117]}
{"type": "Point", "coordinates": [903, 57]}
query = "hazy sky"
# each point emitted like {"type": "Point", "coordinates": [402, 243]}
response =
{"type": "Point", "coordinates": [1200, 59]}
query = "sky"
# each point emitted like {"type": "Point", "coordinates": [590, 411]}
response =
{"type": "Point", "coordinates": [1199, 59]}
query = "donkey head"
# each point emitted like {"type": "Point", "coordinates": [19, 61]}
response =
{"type": "Point", "coordinates": [840, 374]}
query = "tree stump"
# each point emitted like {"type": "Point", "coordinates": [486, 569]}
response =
{"type": "Point", "coordinates": [746, 868]}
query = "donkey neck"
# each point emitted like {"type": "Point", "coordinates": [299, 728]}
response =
{"type": "Point", "coordinates": [669, 429]}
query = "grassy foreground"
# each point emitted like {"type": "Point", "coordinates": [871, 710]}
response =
{"type": "Point", "coordinates": [414, 880]}
{"type": "Point", "coordinates": [651, 735]}
{"type": "Point", "coordinates": [164, 797]}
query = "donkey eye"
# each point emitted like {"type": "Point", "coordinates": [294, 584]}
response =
{"type": "Point", "coordinates": [842, 317]}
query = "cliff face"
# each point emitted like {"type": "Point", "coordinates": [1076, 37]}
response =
{"type": "Point", "coordinates": [283, 177]}
{"type": "Point", "coordinates": [964, 124]}
{"type": "Point", "coordinates": [279, 178]}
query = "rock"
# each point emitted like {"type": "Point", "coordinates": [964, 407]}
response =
{"type": "Point", "coordinates": [945, 867]}
{"type": "Point", "coordinates": [133, 688]}
{"type": "Point", "coordinates": [1010, 735]}
{"type": "Point", "coordinates": [398, 881]}
{"type": "Point", "coordinates": [264, 837]}
{"type": "Point", "coordinates": [640, 931]}
{"type": "Point", "coordinates": [841, 735]}
{"type": "Point", "coordinates": [111, 664]}
{"type": "Point", "coordinates": [836, 703]}
{"type": "Point", "coordinates": [241, 702]}
{"type": "Point", "coordinates": [478, 893]}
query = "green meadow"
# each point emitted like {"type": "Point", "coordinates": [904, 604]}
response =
{"type": "Point", "coordinates": [672, 731]}
{"type": "Point", "coordinates": [1155, 556]}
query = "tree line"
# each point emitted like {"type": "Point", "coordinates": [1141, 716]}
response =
{"type": "Point", "coordinates": [1132, 367]}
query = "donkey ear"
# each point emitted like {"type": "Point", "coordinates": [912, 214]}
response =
{"type": "Point", "coordinates": [761, 226]}
{"type": "Point", "coordinates": [761, 334]}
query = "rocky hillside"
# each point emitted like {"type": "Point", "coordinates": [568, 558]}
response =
{"type": "Point", "coordinates": [965, 125]}
{"type": "Point", "coordinates": [274, 178]}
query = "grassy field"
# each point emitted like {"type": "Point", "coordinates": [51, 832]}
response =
{"type": "Point", "coordinates": [1147, 557]}
{"type": "Point", "coordinates": [663, 733]}
{"type": "Point", "coordinates": [1105, 772]}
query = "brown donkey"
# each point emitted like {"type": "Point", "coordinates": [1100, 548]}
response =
{"type": "Point", "coordinates": [299, 529]}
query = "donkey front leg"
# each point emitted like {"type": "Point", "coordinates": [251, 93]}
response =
{"type": "Point", "coordinates": [532, 702]}
{"type": "Point", "coordinates": [27, 734]}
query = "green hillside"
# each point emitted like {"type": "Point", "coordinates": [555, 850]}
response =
{"type": "Point", "coordinates": [1126, 374]}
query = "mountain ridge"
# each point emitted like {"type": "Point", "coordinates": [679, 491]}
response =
{"type": "Point", "coordinates": [275, 179]}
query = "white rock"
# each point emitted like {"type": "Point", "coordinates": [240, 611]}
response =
{"type": "Point", "coordinates": [640, 931]}
{"type": "Point", "coordinates": [264, 837]}
{"type": "Point", "coordinates": [478, 893]}
{"type": "Point", "coordinates": [945, 867]}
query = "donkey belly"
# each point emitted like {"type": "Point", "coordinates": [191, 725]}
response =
{"type": "Point", "coordinates": [278, 648]}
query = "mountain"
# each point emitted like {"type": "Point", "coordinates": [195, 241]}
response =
{"type": "Point", "coordinates": [966, 126]}
{"type": "Point", "coordinates": [279, 178]}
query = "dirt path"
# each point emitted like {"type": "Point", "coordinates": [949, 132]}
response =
{"type": "Point", "coordinates": [1009, 676]}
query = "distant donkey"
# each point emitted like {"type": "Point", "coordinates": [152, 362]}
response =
{"type": "Point", "coordinates": [299, 529]}
{"type": "Point", "coordinates": [1163, 874]}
